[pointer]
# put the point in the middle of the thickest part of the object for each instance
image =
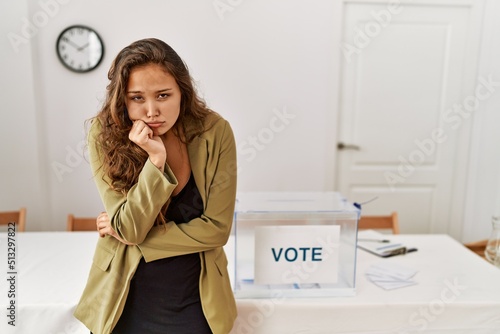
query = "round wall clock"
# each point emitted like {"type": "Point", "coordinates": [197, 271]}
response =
{"type": "Point", "coordinates": [80, 48]}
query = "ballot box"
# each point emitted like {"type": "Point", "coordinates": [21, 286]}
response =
{"type": "Point", "coordinates": [294, 244]}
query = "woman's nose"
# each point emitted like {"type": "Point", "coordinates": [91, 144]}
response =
{"type": "Point", "coordinates": [152, 110]}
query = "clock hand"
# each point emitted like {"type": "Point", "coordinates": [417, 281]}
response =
{"type": "Point", "coordinates": [83, 47]}
{"type": "Point", "coordinates": [73, 44]}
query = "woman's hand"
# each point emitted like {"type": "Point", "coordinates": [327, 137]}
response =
{"type": "Point", "coordinates": [104, 228]}
{"type": "Point", "coordinates": [142, 135]}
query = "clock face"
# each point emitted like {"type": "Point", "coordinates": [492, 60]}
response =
{"type": "Point", "coordinates": [80, 48]}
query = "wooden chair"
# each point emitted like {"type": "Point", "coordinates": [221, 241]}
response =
{"type": "Point", "coordinates": [19, 217]}
{"type": "Point", "coordinates": [380, 222]}
{"type": "Point", "coordinates": [81, 223]}
{"type": "Point", "coordinates": [478, 247]}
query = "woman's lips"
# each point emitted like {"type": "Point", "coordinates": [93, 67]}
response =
{"type": "Point", "coordinates": [155, 125]}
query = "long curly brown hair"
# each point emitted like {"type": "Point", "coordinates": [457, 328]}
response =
{"type": "Point", "coordinates": [122, 159]}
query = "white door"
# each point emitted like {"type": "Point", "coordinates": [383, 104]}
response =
{"type": "Point", "coordinates": [408, 93]}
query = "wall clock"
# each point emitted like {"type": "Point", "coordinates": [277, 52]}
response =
{"type": "Point", "coordinates": [80, 48]}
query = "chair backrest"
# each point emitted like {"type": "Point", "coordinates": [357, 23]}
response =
{"type": "Point", "coordinates": [380, 222]}
{"type": "Point", "coordinates": [81, 223]}
{"type": "Point", "coordinates": [19, 217]}
{"type": "Point", "coordinates": [478, 247]}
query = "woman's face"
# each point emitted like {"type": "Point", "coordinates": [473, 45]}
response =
{"type": "Point", "coordinates": [153, 97]}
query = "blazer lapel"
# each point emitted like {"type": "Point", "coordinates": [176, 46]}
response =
{"type": "Point", "coordinates": [198, 155]}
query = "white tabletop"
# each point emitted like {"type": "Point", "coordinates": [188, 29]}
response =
{"type": "Point", "coordinates": [52, 269]}
{"type": "Point", "coordinates": [456, 292]}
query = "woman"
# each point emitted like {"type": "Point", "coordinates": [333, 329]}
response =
{"type": "Point", "coordinates": [165, 168]}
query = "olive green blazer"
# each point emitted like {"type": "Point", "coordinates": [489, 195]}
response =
{"type": "Point", "coordinates": [213, 163]}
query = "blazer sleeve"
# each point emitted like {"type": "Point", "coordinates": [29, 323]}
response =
{"type": "Point", "coordinates": [213, 227]}
{"type": "Point", "coordinates": [132, 215]}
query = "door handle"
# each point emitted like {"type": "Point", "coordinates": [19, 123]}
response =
{"type": "Point", "coordinates": [342, 146]}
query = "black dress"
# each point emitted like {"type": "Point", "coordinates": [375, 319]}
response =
{"type": "Point", "coordinates": [164, 295]}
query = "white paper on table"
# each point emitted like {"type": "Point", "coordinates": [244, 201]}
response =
{"type": "Point", "coordinates": [389, 275]}
{"type": "Point", "coordinates": [379, 244]}
{"type": "Point", "coordinates": [392, 270]}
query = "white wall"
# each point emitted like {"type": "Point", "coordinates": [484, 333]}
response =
{"type": "Point", "coordinates": [251, 61]}
{"type": "Point", "coordinates": [21, 169]}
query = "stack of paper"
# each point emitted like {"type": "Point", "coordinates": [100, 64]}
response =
{"type": "Point", "coordinates": [389, 275]}
{"type": "Point", "coordinates": [379, 244]}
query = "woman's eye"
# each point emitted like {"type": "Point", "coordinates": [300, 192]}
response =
{"type": "Point", "coordinates": [136, 98]}
{"type": "Point", "coordinates": [163, 96]}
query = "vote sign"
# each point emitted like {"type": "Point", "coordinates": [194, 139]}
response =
{"type": "Point", "coordinates": [296, 254]}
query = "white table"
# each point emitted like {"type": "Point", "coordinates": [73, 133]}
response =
{"type": "Point", "coordinates": [52, 269]}
{"type": "Point", "coordinates": [457, 292]}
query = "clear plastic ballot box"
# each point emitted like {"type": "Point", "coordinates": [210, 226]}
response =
{"type": "Point", "coordinates": [294, 244]}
